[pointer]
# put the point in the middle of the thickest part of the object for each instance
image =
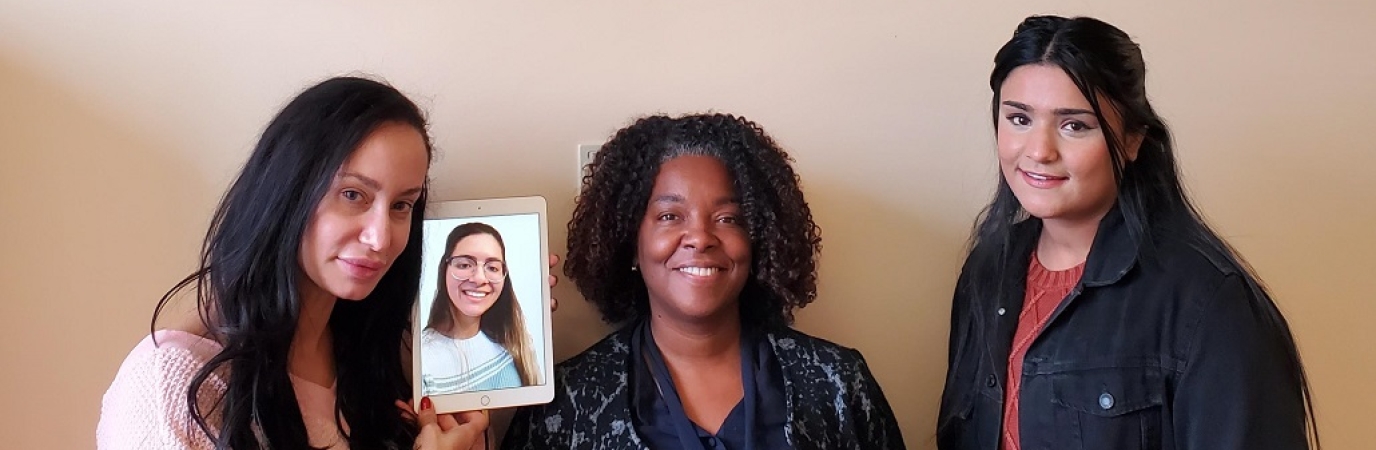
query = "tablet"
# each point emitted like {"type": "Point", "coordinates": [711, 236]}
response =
{"type": "Point", "coordinates": [481, 329]}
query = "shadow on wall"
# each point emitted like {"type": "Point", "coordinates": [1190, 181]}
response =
{"type": "Point", "coordinates": [98, 223]}
{"type": "Point", "coordinates": [577, 325]}
{"type": "Point", "coordinates": [886, 280]}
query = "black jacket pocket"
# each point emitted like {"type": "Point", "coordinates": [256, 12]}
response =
{"type": "Point", "coordinates": [1110, 408]}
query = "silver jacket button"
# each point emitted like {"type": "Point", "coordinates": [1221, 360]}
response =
{"type": "Point", "coordinates": [1106, 401]}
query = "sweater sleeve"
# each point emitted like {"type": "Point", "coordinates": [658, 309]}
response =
{"type": "Point", "coordinates": [146, 404]}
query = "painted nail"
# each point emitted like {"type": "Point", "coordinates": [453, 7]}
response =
{"type": "Point", "coordinates": [425, 403]}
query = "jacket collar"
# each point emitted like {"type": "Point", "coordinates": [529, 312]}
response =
{"type": "Point", "coordinates": [1111, 256]}
{"type": "Point", "coordinates": [1114, 252]}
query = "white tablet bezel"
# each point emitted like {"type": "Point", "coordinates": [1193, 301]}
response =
{"type": "Point", "coordinates": [525, 395]}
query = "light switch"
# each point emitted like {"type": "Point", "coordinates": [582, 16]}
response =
{"type": "Point", "coordinates": [586, 152]}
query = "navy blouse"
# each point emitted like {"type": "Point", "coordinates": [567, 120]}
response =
{"type": "Point", "coordinates": [831, 399]}
{"type": "Point", "coordinates": [757, 422]}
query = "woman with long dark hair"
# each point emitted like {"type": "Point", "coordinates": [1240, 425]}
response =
{"type": "Point", "coordinates": [1096, 308]}
{"type": "Point", "coordinates": [307, 277]}
{"type": "Point", "coordinates": [475, 338]}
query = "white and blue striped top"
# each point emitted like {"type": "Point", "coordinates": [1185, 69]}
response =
{"type": "Point", "coordinates": [450, 366]}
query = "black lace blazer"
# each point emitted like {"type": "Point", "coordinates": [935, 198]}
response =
{"type": "Point", "coordinates": [832, 400]}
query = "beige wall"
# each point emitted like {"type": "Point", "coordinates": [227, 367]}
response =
{"type": "Point", "coordinates": [120, 125]}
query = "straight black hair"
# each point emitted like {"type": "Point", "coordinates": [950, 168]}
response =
{"type": "Point", "coordinates": [248, 283]}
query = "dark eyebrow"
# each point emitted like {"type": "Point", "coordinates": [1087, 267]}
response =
{"type": "Point", "coordinates": [675, 198]}
{"type": "Point", "coordinates": [1017, 105]}
{"type": "Point", "coordinates": [375, 185]}
{"type": "Point", "coordinates": [369, 182]}
{"type": "Point", "coordinates": [1072, 111]}
{"type": "Point", "coordinates": [667, 198]}
{"type": "Point", "coordinates": [1058, 111]}
{"type": "Point", "coordinates": [488, 260]}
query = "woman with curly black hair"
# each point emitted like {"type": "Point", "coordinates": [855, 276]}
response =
{"type": "Point", "coordinates": [692, 234]}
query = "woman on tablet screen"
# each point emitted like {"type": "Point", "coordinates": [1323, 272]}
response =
{"type": "Point", "coordinates": [475, 339]}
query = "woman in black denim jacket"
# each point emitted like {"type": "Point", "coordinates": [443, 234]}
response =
{"type": "Point", "coordinates": [692, 233]}
{"type": "Point", "coordinates": [1167, 340]}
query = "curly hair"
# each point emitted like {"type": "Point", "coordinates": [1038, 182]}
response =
{"type": "Point", "coordinates": [784, 240]}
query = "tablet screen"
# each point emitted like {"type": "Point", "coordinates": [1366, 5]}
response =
{"type": "Point", "coordinates": [480, 313]}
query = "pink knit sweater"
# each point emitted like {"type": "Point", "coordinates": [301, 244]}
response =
{"type": "Point", "coordinates": [145, 407]}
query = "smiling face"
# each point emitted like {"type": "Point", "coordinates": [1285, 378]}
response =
{"type": "Point", "coordinates": [693, 249]}
{"type": "Point", "coordinates": [364, 221]}
{"type": "Point", "coordinates": [1052, 148]}
{"type": "Point", "coordinates": [476, 274]}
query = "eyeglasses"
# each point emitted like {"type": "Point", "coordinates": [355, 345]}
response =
{"type": "Point", "coordinates": [466, 268]}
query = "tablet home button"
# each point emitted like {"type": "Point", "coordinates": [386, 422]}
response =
{"type": "Point", "coordinates": [486, 400]}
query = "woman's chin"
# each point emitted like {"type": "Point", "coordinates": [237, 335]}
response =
{"type": "Point", "coordinates": [472, 310]}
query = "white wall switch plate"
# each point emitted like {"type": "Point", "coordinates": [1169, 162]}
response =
{"type": "Point", "coordinates": [586, 152]}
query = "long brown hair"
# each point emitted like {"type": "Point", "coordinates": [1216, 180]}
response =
{"type": "Point", "coordinates": [503, 322]}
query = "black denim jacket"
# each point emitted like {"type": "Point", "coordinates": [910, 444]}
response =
{"type": "Point", "coordinates": [833, 401]}
{"type": "Point", "coordinates": [1155, 348]}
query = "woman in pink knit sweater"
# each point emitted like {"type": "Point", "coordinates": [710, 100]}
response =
{"type": "Point", "coordinates": [306, 282]}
